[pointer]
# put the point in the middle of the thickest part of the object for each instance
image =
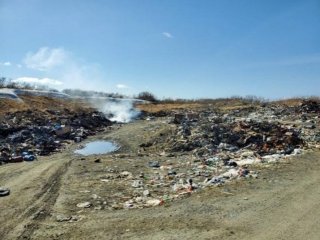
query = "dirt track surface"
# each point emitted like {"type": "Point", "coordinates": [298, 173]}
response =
{"type": "Point", "coordinates": [283, 203]}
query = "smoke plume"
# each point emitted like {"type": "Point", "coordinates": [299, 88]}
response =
{"type": "Point", "coordinates": [118, 110]}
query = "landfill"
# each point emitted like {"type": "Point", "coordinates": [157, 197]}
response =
{"type": "Point", "coordinates": [205, 148]}
{"type": "Point", "coordinates": [28, 134]}
{"type": "Point", "coordinates": [199, 149]}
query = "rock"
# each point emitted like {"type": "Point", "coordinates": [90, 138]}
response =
{"type": "Point", "coordinates": [97, 160]}
{"type": "Point", "coordinates": [84, 205]}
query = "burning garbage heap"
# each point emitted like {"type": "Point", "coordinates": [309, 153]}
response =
{"type": "Point", "coordinates": [309, 106]}
{"type": "Point", "coordinates": [205, 148]}
{"type": "Point", "coordinates": [211, 148]}
{"type": "Point", "coordinates": [206, 138]}
{"type": "Point", "coordinates": [265, 131]}
{"type": "Point", "coordinates": [26, 134]}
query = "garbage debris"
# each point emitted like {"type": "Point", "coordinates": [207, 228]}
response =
{"type": "Point", "coordinates": [84, 205]}
{"type": "Point", "coordinates": [154, 164]}
{"type": "Point", "coordinates": [26, 134]}
{"type": "Point", "coordinates": [205, 148]}
{"type": "Point", "coordinates": [4, 191]}
{"type": "Point", "coordinates": [211, 148]}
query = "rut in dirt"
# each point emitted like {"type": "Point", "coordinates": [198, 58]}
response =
{"type": "Point", "coordinates": [24, 225]}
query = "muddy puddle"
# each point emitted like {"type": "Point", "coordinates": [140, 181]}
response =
{"type": "Point", "coordinates": [97, 147]}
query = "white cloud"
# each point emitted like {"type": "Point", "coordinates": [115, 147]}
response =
{"type": "Point", "coordinates": [58, 63]}
{"type": "Point", "coordinates": [122, 86]}
{"type": "Point", "coordinates": [45, 58]}
{"type": "Point", "coordinates": [34, 80]}
{"type": "Point", "coordinates": [6, 64]}
{"type": "Point", "coordinates": [167, 35]}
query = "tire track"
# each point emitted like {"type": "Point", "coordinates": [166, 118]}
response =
{"type": "Point", "coordinates": [23, 226]}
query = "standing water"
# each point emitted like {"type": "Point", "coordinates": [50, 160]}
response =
{"type": "Point", "coordinates": [97, 147]}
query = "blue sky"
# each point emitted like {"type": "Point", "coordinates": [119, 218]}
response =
{"type": "Point", "coordinates": [172, 48]}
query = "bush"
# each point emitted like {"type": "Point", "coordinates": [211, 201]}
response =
{"type": "Point", "coordinates": [147, 96]}
{"type": "Point", "coordinates": [3, 82]}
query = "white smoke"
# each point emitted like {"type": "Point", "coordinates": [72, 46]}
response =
{"type": "Point", "coordinates": [118, 110]}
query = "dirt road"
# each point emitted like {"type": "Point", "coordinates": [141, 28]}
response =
{"type": "Point", "coordinates": [34, 189]}
{"type": "Point", "coordinates": [283, 203]}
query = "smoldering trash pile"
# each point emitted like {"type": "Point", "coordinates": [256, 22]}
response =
{"type": "Point", "coordinates": [202, 148]}
{"type": "Point", "coordinates": [208, 148]}
{"type": "Point", "coordinates": [264, 131]}
{"type": "Point", "coordinates": [26, 134]}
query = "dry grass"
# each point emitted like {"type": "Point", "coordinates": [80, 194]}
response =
{"type": "Point", "coordinates": [293, 102]}
{"type": "Point", "coordinates": [218, 104]}
{"type": "Point", "coordinates": [153, 108]}
{"type": "Point", "coordinates": [223, 104]}
{"type": "Point", "coordinates": [40, 103]}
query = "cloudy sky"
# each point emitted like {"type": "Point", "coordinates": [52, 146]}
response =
{"type": "Point", "coordinates": [172, 48]}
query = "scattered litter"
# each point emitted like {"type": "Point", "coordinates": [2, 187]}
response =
{"type": "Point", "coordinates": [84, 205]}
{"type": "Point", "coordinates": [4, 191]}
{"type": "Point", "coordinates": [26, 134]}
{"type": "Point", "coordinates": [154, 164]}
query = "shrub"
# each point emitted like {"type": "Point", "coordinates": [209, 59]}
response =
{"type": "Point", "coordinates": [147, 96]}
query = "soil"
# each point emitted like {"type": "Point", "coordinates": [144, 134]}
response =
{"type": "Point", "coordinates": [282, 203]}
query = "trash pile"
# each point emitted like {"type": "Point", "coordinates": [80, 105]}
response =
{"type": "Point", "coordinates": [210, 148]}
{"type": "Point", "coordinates": [265, 131]}
{"type": "Point", "coordinates": [309, 106]}
{"type": "Point", "coordinates": [159, 181]}
{"type": "Point", "coordinates": [26, 134]}
{"type": "Point", "coordinates": [203, 148]}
